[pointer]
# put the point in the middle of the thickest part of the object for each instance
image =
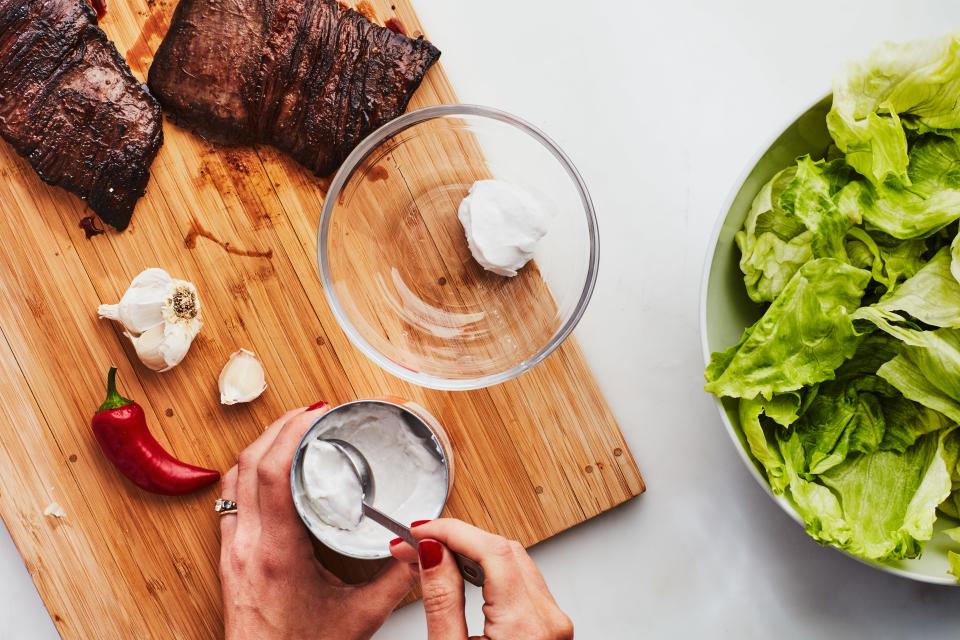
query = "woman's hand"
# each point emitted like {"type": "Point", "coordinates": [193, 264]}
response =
{"type": "Point", "coordinates": [517, 603]}
{"type": "Point", "coordinates": [273, 586]}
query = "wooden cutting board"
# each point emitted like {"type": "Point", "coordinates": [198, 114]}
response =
{"type": "Point", "coordinates": [535, 456]}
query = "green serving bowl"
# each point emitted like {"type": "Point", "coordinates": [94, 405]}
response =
{"type": "Point", "coordinates": [726, 310]}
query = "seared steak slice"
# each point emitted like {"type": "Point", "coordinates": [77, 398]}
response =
{"type": "Point", "coordinates": [307, 76]}
{"type": "Point", "coordinates": [71, 107]}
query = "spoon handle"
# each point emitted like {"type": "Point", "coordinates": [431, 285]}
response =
{"type": "Point", "coordinates": [471, 570]}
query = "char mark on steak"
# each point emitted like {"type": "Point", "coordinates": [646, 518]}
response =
{"type": "Point", "coordinates": [306, 76]}
{"type": "Point", "coordinates": [71, 107]}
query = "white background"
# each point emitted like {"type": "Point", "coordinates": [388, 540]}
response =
{"type": "Point", "coordinates": [661, 105]}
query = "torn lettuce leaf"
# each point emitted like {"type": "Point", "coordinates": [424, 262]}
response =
{"type": "Point", "coordinates": [878, 506]}
{"type": "Point", "coordinates": [917, 81]}
{"type": "Point", "coordinates": [889, 260]}
{"type": "Point", "coordinates": [932, 295]}
{"type": "Point", "coordinates": [889, 499]}
{"type": "Point", "coordinates": [927, 369]}
{"type": "Point", "coordinates": [773, 244]}
{"type": "Point", "coordinates": [859, 412]}
{"type": "Point", "coordinates": [792, 220]}
{"type": "Point", "coordinates": [802, 338]}
{"type": "Point", "coordinates": [818, 506]}
{"type": "Point", "coordinates": [926, 203]}
{"type": "Point", "coordinates": [762, 446]}
{"type": "Point", "coordinates": [955, 257]}
{"type": "Point", "coordinates": [810, 198]}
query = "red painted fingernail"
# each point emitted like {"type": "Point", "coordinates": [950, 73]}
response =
{"type": "Point", "coordinates": [430, 552]}
{"type": "Point", "coordinates": [396, 541]}
{"type": "Point", "coordinates": [319, 405]}
{"type": "Point", "coordinates": [417, 523]}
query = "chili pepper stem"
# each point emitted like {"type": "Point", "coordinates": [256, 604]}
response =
{"type": "Point", "coordinates": [114, 400]}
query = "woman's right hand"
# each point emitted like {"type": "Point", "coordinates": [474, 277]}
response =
{"type": "Point", "coordinates": [517, 603]}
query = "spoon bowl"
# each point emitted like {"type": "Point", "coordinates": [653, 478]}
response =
{"type": "Point", "coordinates": [471, 570]}
{"type": "Point", "coordinates": [360, 466]}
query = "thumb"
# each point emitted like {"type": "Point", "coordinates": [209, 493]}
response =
{"type": "Point", "coordinates": [443, 599]}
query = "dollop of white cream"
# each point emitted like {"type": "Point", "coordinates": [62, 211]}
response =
{"type": "Point", "coordinates": [332, 486]}
{"type": "Point", "coordinates": [503, 224]}
{"type": "Point", "coordinates": [409, 481]}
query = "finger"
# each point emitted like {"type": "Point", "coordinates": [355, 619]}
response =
{"type": "Point", "coordinates": [385, 591]}
{"type": "Point", "coordinates": [504, 582]}
{"type": "Point", "coordinates": [248, 507]}
{"type": "Point", "coordinates": [228, 523]}
{"type": "Point", "coordinates": [280, 521]}
{"type": "Point", "coordinates": [403, 552]}
{"type": "Point", "coordinates": [442, 586]}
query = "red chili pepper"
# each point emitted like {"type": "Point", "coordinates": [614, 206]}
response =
{"type": "Point", "coordinates": [121, 429]}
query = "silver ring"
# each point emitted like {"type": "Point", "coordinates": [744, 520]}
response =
{"type": "Point", "coordinates": [225, 507]}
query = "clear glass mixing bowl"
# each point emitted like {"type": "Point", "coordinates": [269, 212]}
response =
{"type": "Point", "coordinates": [395, 264]}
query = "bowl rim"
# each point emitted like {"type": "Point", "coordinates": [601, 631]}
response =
{"type": "Point", "coordinates": [748, 461]}
{"type": "Point", "coordinates": [368, 146]}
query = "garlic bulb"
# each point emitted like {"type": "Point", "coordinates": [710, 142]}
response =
{"type": "Point", "coordinates": [161, 316]}
{"type": "Point", "coordinates": [242, 378]}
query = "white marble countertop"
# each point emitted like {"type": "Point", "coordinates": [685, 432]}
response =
{"type": "Point", "coordinates": [661, 105]}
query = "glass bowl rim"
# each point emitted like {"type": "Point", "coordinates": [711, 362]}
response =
{"type": "Point", "coordinates": [346, 171]}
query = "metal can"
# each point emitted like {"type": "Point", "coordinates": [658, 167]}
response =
{"type": "Point", "coordinates": [421, 424]}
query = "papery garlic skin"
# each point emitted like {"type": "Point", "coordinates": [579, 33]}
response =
{"type": "Point", "coordinates": [55, 509]}
{"type": "Point", "coordinates": [161, 316]}
{"type": "Point", "coordinates": [141, 307]}
{"type": "Point", "coordinates": [242, 378]}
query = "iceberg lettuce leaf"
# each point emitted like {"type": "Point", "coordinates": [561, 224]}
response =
{"type": "Point", "coordinates": [927, 369]}
{"type": "Point", "coordinates": [810, 198]}
{"type": "Point", "coordinates": [817, 505]}
{"type": "Point", "coordinates": [932, 295]}
{"type": "Point", "coordinates": [801, 339]}
{"type": "Point", "coordinates": [859, 412]}
{"type": "Point", "coordinates": [762, 446]}
{"type": "Point", "coordinates": [919, 81]}
{"type": "Point", "coordinates": [889, 260]}
{"type": "Point", "coordinates": [927, 203]}
{"type": "Point", "coordinates": [889, 499]}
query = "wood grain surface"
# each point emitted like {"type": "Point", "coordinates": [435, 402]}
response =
{"type": "Point", "coordinates": [534, 457]}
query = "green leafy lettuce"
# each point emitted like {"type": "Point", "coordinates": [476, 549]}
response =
{"type": "Point", "coordinates": [915, 84]}
{"type": "Point", "coordinates": [849, 383]}
{"type": "Point", "coordinates": [802, 338]}
{"type": "Point", "coordinates": [926, 203]}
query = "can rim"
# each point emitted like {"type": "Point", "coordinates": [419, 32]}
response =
{"type": "Point", "coordinates": [296, 487]}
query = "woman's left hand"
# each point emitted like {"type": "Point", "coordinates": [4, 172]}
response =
{"type": "Point", "coordinates": [273, 586]}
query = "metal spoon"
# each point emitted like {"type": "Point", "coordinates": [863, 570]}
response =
{"type": "Point", "coordinates": [471, 570]}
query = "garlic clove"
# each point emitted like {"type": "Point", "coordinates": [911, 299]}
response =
{"type": "Point", "coordinates": [242, 378]}
{"type": "Point", "coordinates": [141, 307]}
{"type": "Point", "coordinates": [177, 339]}
{"type": "Point", "coordinates": [147, 345]}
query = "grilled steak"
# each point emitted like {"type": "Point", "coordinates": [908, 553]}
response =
{"type": "Point", "coordinates": [307, 76]}
{"type": "Point", "coordinates": [71, 107]}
